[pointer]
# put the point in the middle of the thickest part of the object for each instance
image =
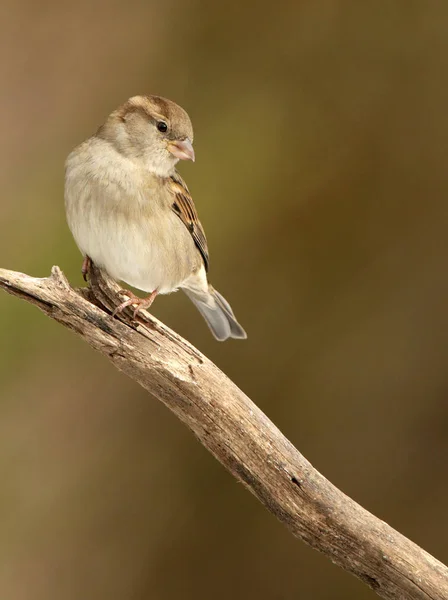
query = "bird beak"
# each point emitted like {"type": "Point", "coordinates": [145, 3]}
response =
{"type": "Point", "coordinates": [182, 149]}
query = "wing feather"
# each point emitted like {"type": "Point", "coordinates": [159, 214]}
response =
{"type": "Point", "coordinates": [185, 209]}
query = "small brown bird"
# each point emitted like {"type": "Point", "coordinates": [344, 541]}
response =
{"type": "Point", "coordinates": [131, 213]}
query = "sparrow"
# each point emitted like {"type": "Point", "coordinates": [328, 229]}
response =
{"type": "Point", "coordinates": [130, 212]}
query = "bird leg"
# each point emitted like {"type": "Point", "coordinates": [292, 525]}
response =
{"type": "Point", "coordinates": [86, 266]}
{"type": "Point", "coordinates": [140, 303]}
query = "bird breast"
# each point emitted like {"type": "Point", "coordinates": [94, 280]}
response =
{"type": "Point", "coordinates": [122, 219]}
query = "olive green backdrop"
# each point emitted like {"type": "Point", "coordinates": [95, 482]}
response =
{"type": "Point", "coordinates": [321, 179]}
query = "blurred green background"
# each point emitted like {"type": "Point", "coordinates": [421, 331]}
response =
{"type": "Point", "coordinates": [321, 137]}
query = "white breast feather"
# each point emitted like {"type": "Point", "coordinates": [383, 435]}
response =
{"type": "Point", "coordinates": [107, 212]}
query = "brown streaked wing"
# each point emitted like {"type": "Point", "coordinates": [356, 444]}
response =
{"type": "Point", "coordinates": [185, 209]}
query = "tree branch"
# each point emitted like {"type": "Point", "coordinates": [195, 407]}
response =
{"type": "Point", "coordinates": [240, 436]}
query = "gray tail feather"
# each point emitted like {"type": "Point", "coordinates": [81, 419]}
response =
{"type": "Point", "coordinates": [217, 314]}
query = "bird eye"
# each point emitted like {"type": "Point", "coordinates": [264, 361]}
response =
{"type": "Point", "coordinates": [162, 126]}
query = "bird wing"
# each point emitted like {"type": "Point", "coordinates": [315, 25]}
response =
{"type": "Point", "coordinates": [185, 209]}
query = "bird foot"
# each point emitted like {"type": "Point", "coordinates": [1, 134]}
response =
{"type": "Point", "coordinates": [133, 300]}
{"type": "Point", "coordinates": [86, 266]}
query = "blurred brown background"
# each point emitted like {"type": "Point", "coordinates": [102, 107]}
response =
{"type": "Point", "coordinates": [321, 136]}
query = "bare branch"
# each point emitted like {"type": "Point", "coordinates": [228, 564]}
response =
{"type": "Point", "coordinates": [240, 436]}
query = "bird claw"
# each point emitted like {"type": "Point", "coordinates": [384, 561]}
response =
{"type": "Point", "coordinates": [86, 266]}
{"type": "Point", "coordinates": [123, 305]}
{"type": "Point", "coordinates": [140, 303]}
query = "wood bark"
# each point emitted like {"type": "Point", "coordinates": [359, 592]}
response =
{"type": "Point", "coordinates": [239, 435]}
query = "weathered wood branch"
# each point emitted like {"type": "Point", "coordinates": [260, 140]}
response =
{"type": "Point", "coordinates": [240, 436]}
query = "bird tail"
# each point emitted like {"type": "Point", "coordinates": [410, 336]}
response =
{"type": "Point", "coordinates": [217, 313]}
